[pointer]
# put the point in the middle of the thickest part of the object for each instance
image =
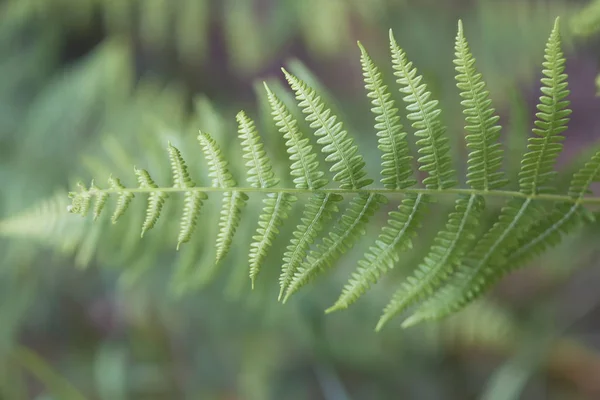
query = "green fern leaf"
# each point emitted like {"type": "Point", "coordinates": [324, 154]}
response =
{"type": "Point", "coordinates": [192, 200]}
{"type": "Point", "coordinates": [260, 175]}
{"type": "Point", "coordinates": [402, 226]}
{"type": "Point", "coordinates": [395, 238]}
{"type": "Point", "coordinates": [233, 201]}
{"type": "Point", "coordinates": [483, 266]}
{"type": "Point", "coordinates": [123, 200]}
{"type": "Point", "coordinates": [425, 116]}
{"type": "Point", "coordinates": [348, 167]}
{"type": "Point", "coordinates": [458, 266]}
{"type": "Point", "coordinates": [81, 200]}
{"type": "Point", "coordinates": [156, 199]}
{"type": "Point", "coordinates": [345, 233]}
{"type": "Point", "coordinates": [564, 219]}
{"type": "Point", "coordinates": [395, 159]}
{"type": "Point", "coordinates": [484, 163]}
{"type": "Point", "coordinates": [276, 210]}
{"type": "Point", "coordinates": [101, 198]}
{"type": "Point", "coordinates": [341, 150]}
{"type": "Point", "coordinates": [260, 172]}
{"type": "Point", "coordinates": [317, 211]}
{"type": "Point", "coordinates": [305, 168]}
{"type": "Point", "coordinates": [396, 172]}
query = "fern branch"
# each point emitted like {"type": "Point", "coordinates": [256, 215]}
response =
{"type": "Point", "coordinates": [261, 177]}
{"type": "Point", "coordinates": [233, 201]}
{"type": "Point", "coordinates": [156, 199]}
{"type": "Point", "coordinates": [484, 264]}
{"type": "Point", "coordinates": [485, 160]}
{"type": "Point", "coordinates": [395, 158]}
{"type": "Point", "coordinates": [425, 114]}
{"type": "Point", "coordinates": [318, 210]}
{"type": "Point", "coordinates": [402, 225]}
{"type": "Point", "coordinates": [395, 237]}
{"type": "Point", "coordinates": [343, 236]}
{"type": "Point", "coordinates": [348, 166]}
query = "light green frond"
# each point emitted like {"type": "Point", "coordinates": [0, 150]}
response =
{"type": "Point", "coordinates": [564, 219]}
{"type": "Point", "coordinates": [100, 201]}
{"type": "Point", "coordinates": [233, 202]}
{"type": "Point", "coordinates": [345, 233]}
{"type": "Point", "coordinates": [484, 264]}
{"type": "Point", "coordinates": [483, 131]}
{"type": "Point", "coordinates": [156, 199]}
{"type": "Point", "coordinates": [394, 238]}
{"type": "Point", "coordinates": [276, 210]}
{"type": "Point", "coordinates": [348, 167]}
{"type": "Point", "coordinates": [484, 161]}
{"type": "Point", "coordinates": [425, 116]}
{"type": "Point", "coordinates": [123, 200]}
{"type": "Point", "coordinates": [192, 200]}
{"type": "Point", "coordinates": [395, 159]}
{"type": "Point", "coordinates": [260, 173]}
{"type": "Point", "coordinates": [403, 224]}
{"type": "Point", "coordinates": [305, 167]}
{"type": "Point", "coordinates": [449, 246]}
{"type": "Point", "coordinates": [218, 168]}
{"type": "Point", "coordinates": [318, 210]}
{"type": "Point", "coordinates": [80, 201]}
{"type": "Point", "coordinates": [461, 262]}
{"type": "Point", "coordinates": [537, 167]}
{"type": "Point", "coordinates": [396, 172]}
{"type": "Point", "coordinates": [181, 177]}
{"type": "Point", "coordinates": [341, 150]}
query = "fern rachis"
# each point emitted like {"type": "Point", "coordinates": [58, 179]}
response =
{"type": "Point", "coordinates": [459, 265]}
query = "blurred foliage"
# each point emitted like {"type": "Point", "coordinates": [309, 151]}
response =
{"type": "Point", "coordinates": [586, 23]}
{"type": "Point", "coordinates": [79, 76]}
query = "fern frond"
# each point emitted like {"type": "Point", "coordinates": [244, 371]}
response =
{"type": "Point", "coordinates": [348, 166]}
{"type": "Point", "coordinates": [233, 201]}
{"type": "Point", "coordinates": [123, 200]}
{"type": "Point", "coordinates": [345, 233]}
{"type": "Point", "coordinates": [537, 167]}
{"type": "Point", "coordinates": [100, 202]}
{"type": "Point", "coordinates": [192, 200]}
{"type": "Point", "coordinates": [425, 116]}
{"type": "Point", "coordinates": [156, 199]}
{"type": "Point", "coordinates": [484, 161]}
{"type": "Point", "coordinates": [403, 224]}
{"type": "Point", "coordinates": [448, 247]}
{"type": "Point", "coordinates": [564, 218]}
{"type": "Point", "coordinates": [260, 171]}
{"type": "Point", "coordinates": [394, 238]}
{"type": "Point", "coordinates": [276, 210]}
{"type": "Point", "coordinates": [317, 211]}
{"type": "Point", "coordinates": [260, 175]}
{"type": "Point", "coordinates": [459, 265]}
{"type": "Point", "coordinates": [396, 174]}
{"type": "Point", "coordinates": [80, 201]}
{"type": "Point", "coordinates": [484, 264]}
{"type": "Point", "coordinates": [395, 157]}
{"type": "Point", "coordinates": [305, 167]}
{"type": "Point", "coordinates": [341, 150]}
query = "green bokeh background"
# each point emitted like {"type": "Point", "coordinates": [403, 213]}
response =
{"type": "Point", "coordinates": [89, 88]}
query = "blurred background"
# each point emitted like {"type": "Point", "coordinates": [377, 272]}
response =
{"type": "Point", "coordinates": [87, 311]}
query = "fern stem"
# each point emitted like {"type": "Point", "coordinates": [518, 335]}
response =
{"type": "Point", "coordinates": [434, 192]}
